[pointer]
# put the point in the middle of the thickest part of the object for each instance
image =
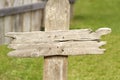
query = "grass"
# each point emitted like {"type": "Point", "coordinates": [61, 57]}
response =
{"type": "Point", "coordinates": [94, 14]}
{"type": "Point", "coordinates": [19, 69]}
{"type": "Point", "coordinates": [88, 14]}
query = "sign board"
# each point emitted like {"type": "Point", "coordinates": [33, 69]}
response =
{"type": "Point", "coordinates": [69, 42]}
{"type": "Point", "coordinates": [57, 42]}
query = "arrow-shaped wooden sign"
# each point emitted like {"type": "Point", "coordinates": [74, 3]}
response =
{"type": "Point", "coordinates": [69, 42]}
{"type": "Point", "coordinates": [57, 45]}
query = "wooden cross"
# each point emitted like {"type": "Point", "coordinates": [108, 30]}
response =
{"type": "Point", "coordinates": [57, 42]}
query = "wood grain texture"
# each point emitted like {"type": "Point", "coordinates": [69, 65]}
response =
{"type": "Point", "coordinates": [27, 18]}
{"type": "Point", "coordinates": [21, 9]}
{"type": "Point", "coordinates": [57, 17]}
{"type": "Point", "coordinates": [79, 44]}
{"type": "Point", "coordinates": [57, 36]}
{"type": "Point", "coordinates": [36, 18]}
{"type": "Point", "coordinates": [2, 4]}
{"type": "Point", "coordinates": [61, 48]}
{"type": "Point", "coordinates": [50, 43]}
{"type": "Point", "coordinates": [55, 68]}
{"type": "Point", "coordinates": [26, 22]}
{"type": "Point", "coordinates": [8, 23]}
{"type": "Point", "coordinates": [56, 45]}
{"type": "Point", "coordinates": [18, 18]}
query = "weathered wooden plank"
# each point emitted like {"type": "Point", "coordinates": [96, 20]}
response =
{"type": "Point", "coordinates": [58, 36]}
{"type": "Point", "coordinates": [8, 21]}
{"type": "Point", "coordinates": [57, 17]}
{"type": "Point", "coordinates": [36, 53]}
{"type": "Point", "coordinates": [103, 31]}
{"type": "Point", "coordinates": [36, 18]}
{"type": "Point", "coordinates": [25, 8]}
{"type": "Point", "coordinates": [79, 44]}
{"type": "Point", "coordinates": [18, 19]}
{"type": "Point", "coordinates": [84, 42]}
{"type": "Point", "coordinates": [27, 18]}
{"type": "Point", "coordinates": [2, 4]}
{"type": "Point", "coordinates": [21, 9]}
{"type": "Point", "coordinates": [61, 48]}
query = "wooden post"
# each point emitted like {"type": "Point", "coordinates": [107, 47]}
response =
{"type": "Point", "coordinates": [57, 13]}
{"type": "Point", "coordinates": [56, 45]}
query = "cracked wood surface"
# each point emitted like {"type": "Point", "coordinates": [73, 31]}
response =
{"type": "Point", "coordinates": [57, 36]}
{"type": "Point", "coordinates": [67, 42]}
{"type": "Point", "coordinates": [57, 17]}
{"type": "Point", "coordinates": [56, 45]}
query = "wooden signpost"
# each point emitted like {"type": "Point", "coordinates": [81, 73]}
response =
{"type": "Point", "coordinates": [57, 42]}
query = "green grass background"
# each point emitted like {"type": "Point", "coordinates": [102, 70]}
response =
{"type": "Point", "coordinates": [88, 14]}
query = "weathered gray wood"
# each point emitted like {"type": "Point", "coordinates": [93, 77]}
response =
{"type": "Point", "coordinates": [36, 18]}
{"type": "Point", "coordinates": [72, 42]}
{"type": "Point", "coordinates": [57, 17]}
{"type": "Point", "coordinates": [21, 9]}
{"type": "Point", "coordinates": [61, 48]}
{"type": "Point", "coordinates": [8, 23]}
{"type": "Point", "coordinates": [2, 4]}
{"type": "Point", "coordinates": [29, 21]}
{"type": "Point", "coordinates": [103, 31]}
{"type": "Point", "coordinates": [27, 17]}
{"type": "Point", "coordinates": [17, 19]}
{"type": "Point", "coordinates": [57, 36]}
{"type": "Point", "coordinates": [55, 68]}
{"type": "Point", "coordinates": [80, 44]}
{"type": "Point", "coordinates": [56, 45]}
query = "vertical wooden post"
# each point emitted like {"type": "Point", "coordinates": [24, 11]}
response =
{"type": "Point", "coordinates": [57, 17]}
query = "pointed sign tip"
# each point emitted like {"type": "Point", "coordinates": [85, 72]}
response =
{"type": "Point", "coordinates": [103, 31]}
